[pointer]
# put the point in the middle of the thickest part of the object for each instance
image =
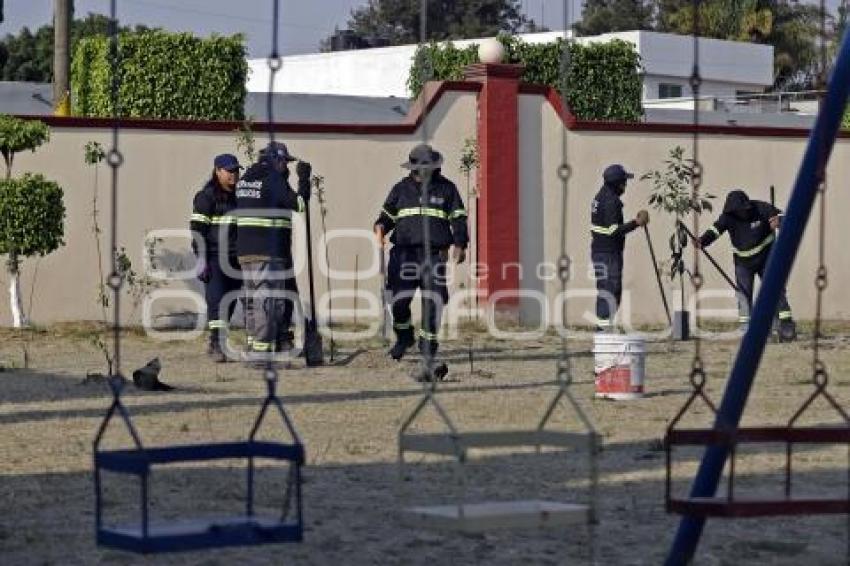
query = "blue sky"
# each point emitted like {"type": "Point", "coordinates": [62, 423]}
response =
{"type": "Point", "coordinates": [303, 22]}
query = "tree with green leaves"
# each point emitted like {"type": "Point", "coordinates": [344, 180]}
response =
{"type": "Point", "coordinates": [28, 56]}
{"type": "Point", "coordinates": [397, 21]}
{"type": "Point", "coordinates": [734, 20]}
{"type": "Point", "coordinates": [31, 209]}
{"type": "Point", "coordinates": [31, 223]}
{"type": "Point", "coordinates": [672, 195]}
{"type": "Point", "coordinates": [605, 16]}
{"type": "Point", "coordinates": [791, 27]}
{"type": "Point", "coordinates": [18, 135]}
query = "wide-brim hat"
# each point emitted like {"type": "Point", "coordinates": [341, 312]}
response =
{"type": "Point", "coordinates": [423, 156]}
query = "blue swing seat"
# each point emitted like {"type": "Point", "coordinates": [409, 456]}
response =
{"type": "Point", "coordinates": [175, 536]}
{"type": "Point", "coordinates": [247, 529]}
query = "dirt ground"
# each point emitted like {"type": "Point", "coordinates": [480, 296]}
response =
{"type": "Point", "coordinates": [348, 415]}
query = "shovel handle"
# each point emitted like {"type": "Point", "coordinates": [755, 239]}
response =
{"type": "Point", "coordinates": [657, 275]}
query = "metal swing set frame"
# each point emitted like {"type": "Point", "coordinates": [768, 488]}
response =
{"type": "Point", "coordinates": [722, 440]}
{"type": "Point", "coordinates": [521, 514]}
{"type": "Point", "coordinates": [249, 528]}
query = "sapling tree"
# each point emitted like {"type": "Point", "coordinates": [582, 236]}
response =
{"type": "Point", "coordinates": [469, 161]}
{"type": "Point", "coordinates": [94, 154]}
{"type": "Point", "coordinates": [245, 141]}
{"type": "Point", "coordinates": [673, 195]}
{"type": "Point", "coordinates": [318, 182]}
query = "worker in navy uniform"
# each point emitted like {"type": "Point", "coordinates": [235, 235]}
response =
{"type": "Point", "coordinates": [214, 228]}
{"type": "Point", "coordinates": [265, 202]}
{"type": "Point", "coordinates": [403, 215]}
{"type": "Point", "coordinates": [752, 228]}
{"type": "Point", "coordinates": [608, 240]}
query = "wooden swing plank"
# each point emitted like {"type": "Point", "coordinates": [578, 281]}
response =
{"type": "Point", "coordinates": [487, 516]}
{"type": "Point", "coordinates": [742, 508]}
{"type": "Point", "coordinates": [447, 445]}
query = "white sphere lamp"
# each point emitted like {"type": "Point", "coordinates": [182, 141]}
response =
{"type": "Point", "coordinates": [491, 51]}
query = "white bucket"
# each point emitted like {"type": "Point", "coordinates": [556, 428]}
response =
{"type": "Point", "coordinates": [618, 365]}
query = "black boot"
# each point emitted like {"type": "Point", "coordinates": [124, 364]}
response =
{"type": "Point", "coordinates": [214, 349]}
{"type": "Point", "coordinates": [285, 342]}
{"type": "Point", "coordinates": [429, 370]}
{"type": "Point", "coordinates": [787, 330]}
{"type": "Point", "coordinates": [404, 340]}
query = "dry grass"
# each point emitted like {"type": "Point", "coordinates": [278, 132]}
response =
{"type": "Point", "coordinates": [348, 416]}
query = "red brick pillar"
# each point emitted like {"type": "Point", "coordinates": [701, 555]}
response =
{"type": "Point", "coordinates": [498, 178]}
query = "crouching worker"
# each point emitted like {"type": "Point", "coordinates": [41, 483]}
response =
{"type": "Point", "coordinates": [265, 202]}
{"type": "Point", "coordinates": [425, 214]}
{"type": "Point", "coordinates": [751, 225]}
{"type": "Point", "coordinates": [214, 226]}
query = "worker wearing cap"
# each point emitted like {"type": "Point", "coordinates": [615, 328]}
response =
{"type": "Point", "coordinates": [751, 225]}
{"type": "Point", "coordinates": [608, 240]}
{"type": "Point", "coordinates": [214, 242]}
{"type": "Point", "coordinates": [265, 202]}
{"type": "Point", "coordinates": [423, 202]}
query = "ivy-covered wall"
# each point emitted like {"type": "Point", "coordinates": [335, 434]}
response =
{"type": "Point", "coordinates": [162, 75]}
{"type": "Point", "coordinates": [602, 81]}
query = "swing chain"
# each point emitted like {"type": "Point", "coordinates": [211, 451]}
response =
{"type": "Point", "coordinates": [564, 173]}
{"type": "Point", "coordinates": [819, 372]}
{"type": "Point", "coordinates": [697, 377]}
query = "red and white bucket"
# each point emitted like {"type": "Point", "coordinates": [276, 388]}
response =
{"type": "Point", "coordinates": [618, 363]}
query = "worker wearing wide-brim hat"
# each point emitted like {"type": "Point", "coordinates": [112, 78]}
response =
{"type": "Point", "coordinates": [416, 262]}
{"type": "Point", "coordinates": [608, 241]}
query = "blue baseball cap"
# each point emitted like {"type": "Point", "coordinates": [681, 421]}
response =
{"type": "Point", "coordinates": [616, 173]}
{"type": "Point", "coordinates": [277, 150]}
{"type": "Point", "coordinates": [226, 161]}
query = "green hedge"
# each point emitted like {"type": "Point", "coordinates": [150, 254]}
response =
{"type": "Point", "coordinates": [603, 82]}
{"type": "Point", "coordinates": [162, 75]}
{"type": "Point", "coordinates": [31, 216]}
{"type": "Point", "coordinates": [845, 123]}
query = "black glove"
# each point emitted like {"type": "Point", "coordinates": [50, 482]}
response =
{"type": "Point", "coordinates": [304, 170]}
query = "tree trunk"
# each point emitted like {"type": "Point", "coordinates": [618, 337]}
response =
{"type": "Point", "coordinates": [19, 318]}
{"type": "Point", "coordinates": [62, 10]}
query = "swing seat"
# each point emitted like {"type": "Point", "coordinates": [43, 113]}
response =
{"type": "Point", "coordinates": [746, 507]}
{"type": "Point", "coordinates": [730, 506]}
{"type": "Point", "coordinates": [488, 516]}
{"type": "Point", "coordinates": [138, 462]}
{"type": "Point", "coordinates": [173, 536]}
{"type": "Point", "coordinates": [447, 444]}
{"type": "Point", "coordinates": [199, 534]}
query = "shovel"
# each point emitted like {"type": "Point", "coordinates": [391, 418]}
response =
{"type": "Point", "coordinates": [313, 353]}
{"type": "Point", "coordinates": [711, 259]}
{"type": "Point", "coordinates": [657, 274]}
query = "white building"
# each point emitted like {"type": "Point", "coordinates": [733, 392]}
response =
{"type": "Point", "coordinates": [728, 68]}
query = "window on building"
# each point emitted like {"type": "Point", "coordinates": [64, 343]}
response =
{"type": "Point", "coordinates": [669, 90]}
